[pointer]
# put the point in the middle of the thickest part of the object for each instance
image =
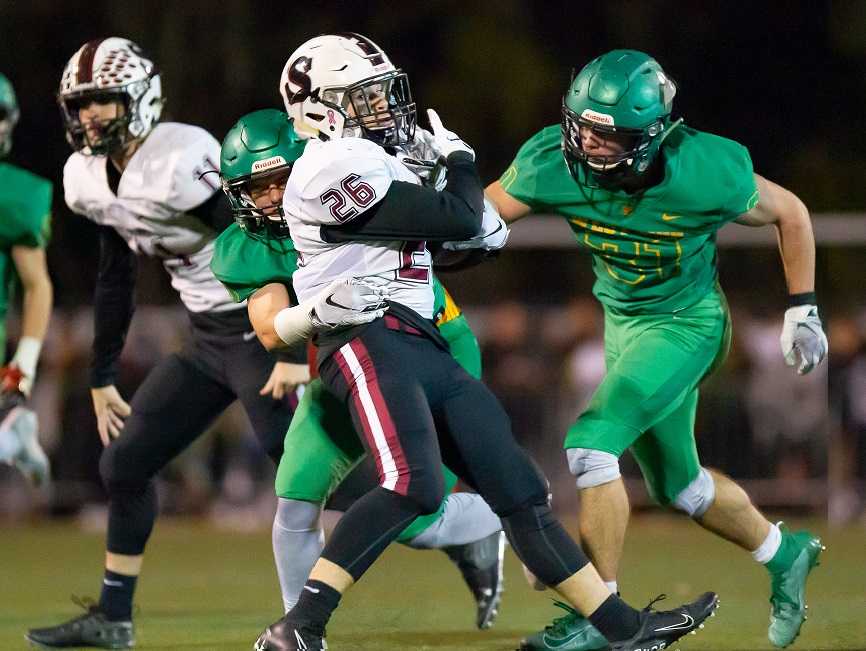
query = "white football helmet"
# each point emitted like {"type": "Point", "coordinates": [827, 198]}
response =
{"type": "Point", "coordinates": [339, 85]}
{"type": "Point", "coordinates": [106, 70]}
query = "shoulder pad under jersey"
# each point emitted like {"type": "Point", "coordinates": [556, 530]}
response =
{"type": "Point", "coordinates": [177, 166]}
{"type": "Point", "coordinates": [334, 181]}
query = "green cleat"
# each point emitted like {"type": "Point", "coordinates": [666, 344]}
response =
{"type": "Point", "coordinates": [788, 598]}
{"type": "Point", "coordinates": [571, 632]}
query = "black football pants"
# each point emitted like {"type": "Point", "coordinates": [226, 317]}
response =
{"type": "Point", "coordinates": [413, 405]}
{"type": "Point", "coordinates": [176, 403]}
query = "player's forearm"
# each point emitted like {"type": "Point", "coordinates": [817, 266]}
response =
{"type": "Point", "coordinates": [113, 306]}
{"type": "Point", "coordinates": [265, 307]}
{"type": "Point", "coordinates": [112, 314]}
{"type": "Point", "coordinates": [37, 300]}
{"type": "Point", "coordinates": [797, 246]}
{"type": "Point", "coordinates": [509, 208]}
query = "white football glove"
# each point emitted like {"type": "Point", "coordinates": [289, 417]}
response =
{"type": "Point", "coordinates": [423, 146]}
{"type": "Point", "coordinates": [431, 172]}
{"type": "Point", "coordinates": [348, 302]}
{"type": "Point", "coordinates": [493, 236]}
{"type": "Point", "coordinates": [803, 338]}
{"type": "Point", "coordinates": [447, 142]}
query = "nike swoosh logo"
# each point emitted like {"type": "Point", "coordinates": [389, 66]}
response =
{"type": "Point", "coordinates": [688, 622]}
{"type": "Point", "coordinates": [313, 590]}
{"type": "Point", "coordinates": [113, 584]}
{"type": "Point", "coordinates": [561, 642]}
{"type": "Point", "coordinates": [670, 218]}
{"type": "Point", "coordinates": [249, 336]}
{"type": "Point", "coordinates": [329, 301]}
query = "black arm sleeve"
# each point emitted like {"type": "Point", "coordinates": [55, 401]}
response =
{"type": "Point", "coordinates": [113, 305]}
{"type": "Point", "coordinates": [412, 212]}
{"type": "Point", "coordinates": [445, 261]}
{"type": "Point", "coordinates": [296, 354]}
{"type": "Point", "coordinates": [215, 212]}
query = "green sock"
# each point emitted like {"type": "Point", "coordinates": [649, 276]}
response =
{"type": "Point", "coordinates": [785, 555]}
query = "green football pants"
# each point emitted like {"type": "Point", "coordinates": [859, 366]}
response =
{"type": "Point", "coordinates": [648, 398]}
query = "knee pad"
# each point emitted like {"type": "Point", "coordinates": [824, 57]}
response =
{"type": "Point", "coordinates": [592, 467]}
{"type": "Point", "coordinates": [525, 484]}
{"type": "Point", "coordinates": [297, 516]}
{"type": "Point", "coordinates": [698, 496]}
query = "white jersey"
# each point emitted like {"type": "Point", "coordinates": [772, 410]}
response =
{"type": "Point", "coordinates": [161, 182]}
{"type": "Point", "coordinates": [332, 183]}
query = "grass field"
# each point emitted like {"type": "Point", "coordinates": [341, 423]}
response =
{"type": "Point", "coordinates": [206, 589]}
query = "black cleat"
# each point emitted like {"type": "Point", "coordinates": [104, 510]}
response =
{"type": "Point", "coordinates": [285, 635]}
{"type": "Point", "coordinates": [481, 563]}
{"type": "Point", "coordinates": [658, 630]}
{"type": "Point", "coordinates": [91, 629]}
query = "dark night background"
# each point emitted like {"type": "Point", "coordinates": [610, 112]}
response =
{"type": "Point", "coordinates": [787, 79]}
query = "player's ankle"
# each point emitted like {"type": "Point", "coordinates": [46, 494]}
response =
{"type": "Point", "coordinates": [615, 619]}
{"type": "Point", "coordinates": [785, 556]}
{"type": "Point", "coordinates": [317, 602]}
{"type": "Point", "coordinates": [115, 600]}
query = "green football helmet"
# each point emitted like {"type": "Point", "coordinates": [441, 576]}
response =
{"type": "Point", "coordinates": [262, 144]}
{"type": "Point", "coordinates": [8, 115]}
{"type": "Point", "coordinates": [623, 95]}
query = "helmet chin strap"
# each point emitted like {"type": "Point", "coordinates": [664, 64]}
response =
{"type": "Point", "coordinates": [669, 130]}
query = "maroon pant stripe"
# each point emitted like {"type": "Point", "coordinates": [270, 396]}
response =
{"type": "Point", "coordinates": [390, 431]}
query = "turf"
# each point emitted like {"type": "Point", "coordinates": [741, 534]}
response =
{"type": "Point", "coordinates": [207, 589]}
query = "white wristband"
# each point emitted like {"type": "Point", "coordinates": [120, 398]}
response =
{"type": "Point", "coordinates": [27, 355]}
{"type": "Point", "coordinates": [293, 324]}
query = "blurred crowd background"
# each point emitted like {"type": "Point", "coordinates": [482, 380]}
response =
{"type": "Point", "coordinates": [786, 79]}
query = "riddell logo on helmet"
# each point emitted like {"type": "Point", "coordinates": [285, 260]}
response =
{"type": "Point", "coordinates": [268, 163]}
{"type": "Point", "coordinates": [598, 118]}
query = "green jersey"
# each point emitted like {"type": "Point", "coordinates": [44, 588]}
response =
{"type": "Point", "coordinates": [25, 220]}
{"type": "Point", "coordinates": [653, 251]}
{"type": "Point", "coordinates": [244, 264]}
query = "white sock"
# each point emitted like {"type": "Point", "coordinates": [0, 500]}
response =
{"type": "Point", "coordinates": [466, 518]}
{"type": "Point", "coordinates": [612, 586]}
{"type": "Point", "coordinates": [764, 554]}
{"type": "Point", "coordinates": [298, 540]}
